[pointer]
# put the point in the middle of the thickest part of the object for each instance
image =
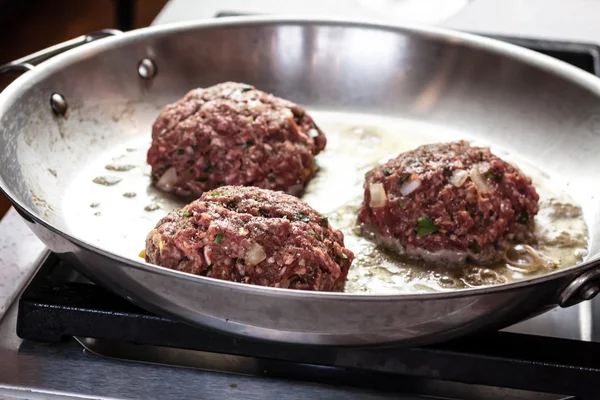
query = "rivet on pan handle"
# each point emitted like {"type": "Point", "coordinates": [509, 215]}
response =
{"type": "Point", "coordinates": [585, 287]}
{"type": "Point", "coordinates": [27, 63]}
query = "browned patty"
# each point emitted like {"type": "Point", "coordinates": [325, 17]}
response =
{"type": "Point", "coordinates": [233, 134]}
{"type": "Point", "coordinates": [450, 199]}
{"type": "Point", "coordinates": [255, 236]}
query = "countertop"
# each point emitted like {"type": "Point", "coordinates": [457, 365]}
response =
{"type": "Point", "coordinates": [20, 252]}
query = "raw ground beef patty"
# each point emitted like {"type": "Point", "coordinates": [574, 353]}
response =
{"type": "Point", "coordinates": [255, 236]}
{"type": "Point", "coordinates": [449, 202]}
{"type": "Point", "coordinates": [233, 134]}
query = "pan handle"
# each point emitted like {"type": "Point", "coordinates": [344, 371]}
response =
{"type": "Point", "coordinates": [585, 287]}
{"type": "Point", "coordinates": [27, 63]}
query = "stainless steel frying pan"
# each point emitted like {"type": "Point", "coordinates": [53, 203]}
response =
{"type": "Point", "coordinates": [73, 110]}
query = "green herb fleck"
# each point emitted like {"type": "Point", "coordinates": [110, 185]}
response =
{"type": "Point", "coordinates": [179, 151]}
{"type": "Point", "coordinates": [387, 172]}
{"type": "Point", "coordinates": [188, 171]}
{"type": "Point", "coordinates": [202, 179]}
{"type": "Point", "coordinates": [524, 217]}
{"type": "Point", "coordinates": [402, 203]}
{"type": "Point", "coordinates": [324, 221]}
{"type": "Point", "coordinates": [246, 89]}
{"type": "Point", "coordinates": [404, 178]}
{"type": "Point", "coordinates": [264, 213]}
{"type": "Point", "coordinates": [425, 226]}
{"type": "Point", "coordinates": [241, 261]}
{"type": "Point", "coordinates": [298, 114]}
{"type": "Point", "coordinates": [209, 169]}
{"type": "Point", "coordinates": [250, 143]}
{"type": "Point", "coordinates": [215, 194]}
{"type": "Point", "coordinates": [302, 217]}
{"type": "Point", "coordinates": [187, 214]}
{"type": "Point", "coordinates": [470, 211]}
{"type": "Point", "coordinates": [219, 238]}
{"type": "Point", "coordinates": [271, 178]}
{"type": "Point", "coordinates": [195, 147]}
{"type": "Point", "coordinates": [474, 247]}
{"type": "Point", "coordinates": [481, 156]}
{"type": "Point", "coordinates": [447, 170]}
{"type": "Point", "coordinates": [490, 175]}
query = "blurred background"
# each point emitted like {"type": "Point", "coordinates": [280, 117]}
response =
{"type": "Point", "coordinates": [27, 26]}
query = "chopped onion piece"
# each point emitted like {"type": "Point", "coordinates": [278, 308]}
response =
{"type": "Point", "coordinates": [378, 196]}
{"type": "Point", "coordinates": [158, 242]}
{"type": "Point", "coordinates": [287, 112]}
{"type": "Point", "coordinates": [255, 105]}
{"type": "Point", "coordinates": [167, 180]}
{"type": "Point", "coordinates": [410, 187]}
{"type": "Point", "coordinates": [206, 257]}
{"type": "Point", "coordinates": [483, 167]}
{"type": "Point", "coordinates": [459, 177]}
{"type": "Point", "coordinates": [479, 180]}
{"type": "Point", "coordinates": [255, 254]}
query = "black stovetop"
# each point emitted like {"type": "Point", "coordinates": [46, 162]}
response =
{"type": "Point", "coordinates": [55, 307]}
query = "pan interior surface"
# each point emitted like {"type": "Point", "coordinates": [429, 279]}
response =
{"type": "Point", "coordinates": [85, 173]}
{"type": "Point", "coordinates": [111, 202]}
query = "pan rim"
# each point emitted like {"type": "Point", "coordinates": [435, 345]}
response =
{"type": "Point", "coordinates": [569, 72]}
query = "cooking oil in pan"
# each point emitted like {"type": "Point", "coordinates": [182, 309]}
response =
{"type": "Point", "coordinates": [123, 213]}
